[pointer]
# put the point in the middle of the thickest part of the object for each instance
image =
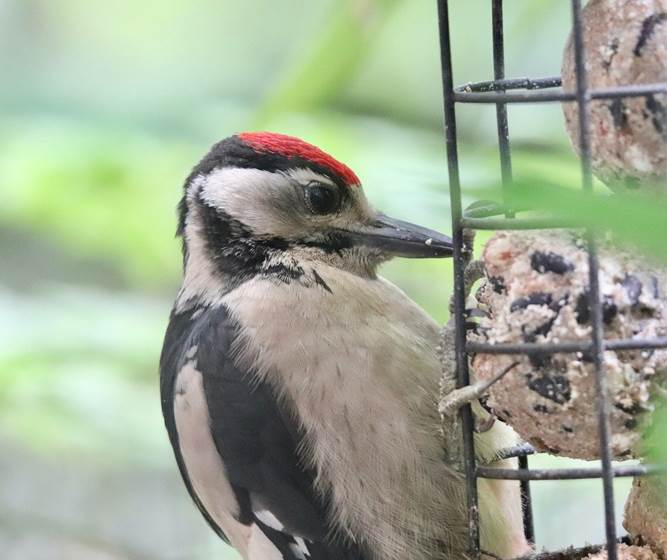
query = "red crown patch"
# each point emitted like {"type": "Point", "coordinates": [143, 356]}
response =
{"type": "Point", "coordinates": [290, 146]}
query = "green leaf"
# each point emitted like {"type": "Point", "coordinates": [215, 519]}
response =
{"type": "Point", "coordinates": [638, 219]}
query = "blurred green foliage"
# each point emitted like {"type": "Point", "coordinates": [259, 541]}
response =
{"type": "Point", "coordinates": [104, 107]}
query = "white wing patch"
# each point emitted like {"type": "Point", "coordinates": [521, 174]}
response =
{"type": "Point", "coordinates": [207, 475]}
{"type": "Point", "coordinates": [300, 549]}
{"type": "Point", "coordinates": [206, 472]}
{"type": "Point", "coordinates": [260, 547]}
{"type": "Point", "coordinates": [202, 461]}
{"type": "Point", "coordinates": [270, 520]}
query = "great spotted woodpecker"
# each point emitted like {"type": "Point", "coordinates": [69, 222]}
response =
{"type": "Point", "coordinates": [298, 387]}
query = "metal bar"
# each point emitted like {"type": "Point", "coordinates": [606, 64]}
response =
{"type": "Point", "coordinates": [520, 450]}
{"type": "Point", "coordinates": [528, 348]}
{"type": "Point", "coordinates": [463, 375]}
{"type": "Point", "coordinates": [568, 474]}
{"type": "Point", "coordinates": [510, 83]}
{"type": "Point", "coordinates": [501, 108]}
{"type": "Point", "coordinates": [569, 553]}
{"type": "Point", "coordinates": [636, 343]}
{"type": "Point", "coordinates": [504, 149]}
{"type": "Point", "coordinates": [602, 391]}
{"type": "Point", "coordinates": [640, 90]}
{"type": "Point", "coordinates": [565, 347]}
{"type": "Point", "coordinates": [527, 503]}
{"type": "Point", "coordinates": [519, 223]}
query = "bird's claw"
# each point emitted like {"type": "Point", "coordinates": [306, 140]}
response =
{"type": "Point", "coordinates": [474, 271]}
{"type": "Point", "coordinates": [454, 400]}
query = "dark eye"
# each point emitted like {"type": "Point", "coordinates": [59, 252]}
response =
{"type": "Point", "coordinates": [322, 199]}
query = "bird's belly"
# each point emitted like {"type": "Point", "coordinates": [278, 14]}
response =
{"type": "Point", "coordinates": [362, 375]}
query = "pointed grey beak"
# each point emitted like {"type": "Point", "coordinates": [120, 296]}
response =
{"type": "Point", "coordinates": [402, 239]}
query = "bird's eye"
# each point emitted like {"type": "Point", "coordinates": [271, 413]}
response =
{"type": "Point", "coordinates": [322, 199]}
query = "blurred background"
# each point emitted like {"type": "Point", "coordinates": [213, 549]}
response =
{"type": "Point", "coordinates": [104, 108]}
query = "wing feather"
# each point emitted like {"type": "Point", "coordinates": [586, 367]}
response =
{"type": "Point", "coordinates": [257, 438]}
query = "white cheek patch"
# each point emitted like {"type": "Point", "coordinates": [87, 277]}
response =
{"type": "Point", "coordinates": [223, 186]}
{"type": "Point", "coordinates": [261, 200]}
{"type": "Point", "coordinates": [251, 196]}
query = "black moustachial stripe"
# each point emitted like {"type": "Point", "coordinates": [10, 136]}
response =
{"type": "Point", "coordinates": [239, 255]}
{"type": "Point", "coordinates": [236, 253]}
{"type": "Point", "coordinates": [259, 435]}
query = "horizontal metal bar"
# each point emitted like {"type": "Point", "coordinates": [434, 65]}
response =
{"type": "Point", "coordinates": [569, 553]}
{"type": "Point", "coordinates": [638, 90]}
{"type": "Point", "coordinates": [636, 343]}
{"type": "Point", "coordinates": [528, 347]}
{"type": "Point", "coordinates": [518, 223]}
{"type": "Point", "coordinates": [521, 450]}
{"type": "Point", "coordinates": [568, 474]}
{"type": "Point", "coordinates": [509, 83]}
{"type": "Point", "coordinates": [565, 347]}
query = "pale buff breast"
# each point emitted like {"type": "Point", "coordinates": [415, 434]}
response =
{"type": "Point", "coordinates": [359, 365]}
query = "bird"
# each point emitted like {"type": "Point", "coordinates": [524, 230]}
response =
{"type": "Point", "coordinates": [299, 388]}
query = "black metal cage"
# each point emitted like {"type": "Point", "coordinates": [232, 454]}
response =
{"type": "Point", "coordinates": [500, 92]}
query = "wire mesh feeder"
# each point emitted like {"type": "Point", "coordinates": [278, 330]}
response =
{"type": "Point", "coordinates": [501, 91]}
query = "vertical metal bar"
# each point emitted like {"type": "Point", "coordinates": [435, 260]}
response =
{"type": "Point", "coordinates": [463, 375]}
{"type": "Point", "coordinates": [504, 149]}
{"type": "Point", "coordinates": [583, 96]}
{"type": "Point", "coordinates": [501, 108]}
{"type": "Point", "coordinates": [603, 405]}
{"type": "Point", "coordinates": [526, 501]}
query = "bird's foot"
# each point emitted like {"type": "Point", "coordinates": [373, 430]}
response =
{"type": "Point", "coordinates": [451, 402]}
{"type": "Point", "coordinates": [473, 272]}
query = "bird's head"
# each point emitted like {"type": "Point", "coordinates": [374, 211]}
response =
{"type": "Point", "coordinates": [260, 199]}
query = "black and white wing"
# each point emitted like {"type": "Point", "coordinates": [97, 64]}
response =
{"type": "Point", "coordinates": [236, 447]}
